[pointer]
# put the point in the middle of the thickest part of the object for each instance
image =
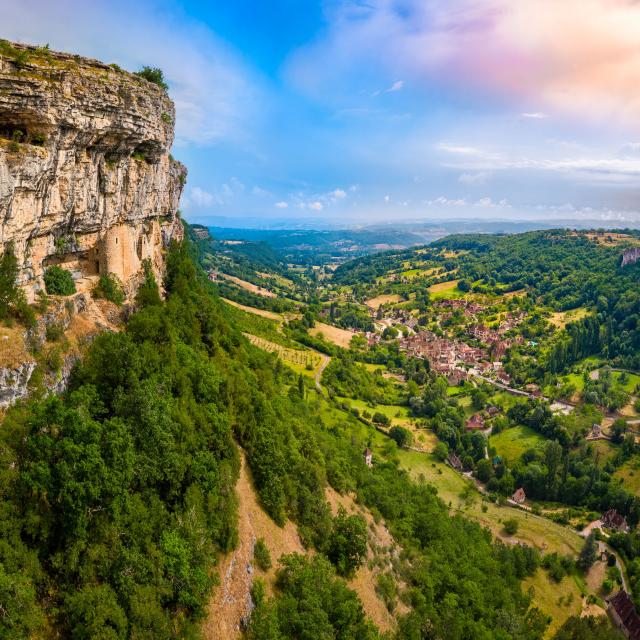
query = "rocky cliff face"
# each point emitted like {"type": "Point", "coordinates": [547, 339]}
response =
{"type": "Point", "coordinates": [86, 178]}
{"type": "Point", "coordinates": [630, 256]}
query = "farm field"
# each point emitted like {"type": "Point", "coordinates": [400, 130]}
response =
{"type": "Point", "coordinates": [445, 290]}
{"type": "Point", "coordinates": [302, 361]}
{"type": "Point", "coordinates": [629, 473]}
{"type": "Point", "coordinates": [378, 301]}
{"type": "Point", "coordinates": [339, 337]}
{"type": "Point", "coordinates": [399, 415]}
{"type": "Point", "coordinates": [462, 496]}
{"type": "Point", "coordinates": [561, 318]}
{"type": "Point", "coordinates": [606, 450]}
{"type": "Point", "coordinates": [249, 286]}
{"type": "Point", "coordinates": [271, 315]}
{"type": "Point", "coordinates": [632, 381]}
{"type": "Point", "coordinates": [511, 443]}
{"type": "Point", "coordinates": [558, 600]}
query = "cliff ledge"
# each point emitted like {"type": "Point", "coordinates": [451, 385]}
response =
{"type": "Point", "coordinates": [86, 178]}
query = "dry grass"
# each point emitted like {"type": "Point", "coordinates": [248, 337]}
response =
{"type": "Point", "coordinates": [231, 601]}
{"type": "Point", "coordinates": [443, 286]}
{"type": "Point", "coordinates": [340, 337]}
{"type": "Point", "coordinates": [562, 318]}
{"type": "Point", "coordinates": [271, 315]}
{"type": "Point", "coordinates": [378, 301]}
{"type": "Point", "coordinates": [13, 349]}
{"type": "Point", "coordinates": [610, 239]}
{"type": "Point", "coordinates": [249, 286]}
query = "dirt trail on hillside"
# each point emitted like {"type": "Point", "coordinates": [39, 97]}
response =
{"type": "Point", "coordinates": [231, 602]}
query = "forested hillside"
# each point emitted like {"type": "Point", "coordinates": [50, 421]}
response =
{"type": "Point", "coordinates": [118, 496]}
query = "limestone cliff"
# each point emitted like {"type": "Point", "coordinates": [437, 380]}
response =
{"type": "Point", "coordinates": [630, 256]}
{"type": "Point", "coordinates": [86, 178]}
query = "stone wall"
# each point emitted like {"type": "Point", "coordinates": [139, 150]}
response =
{"type": "Point", "coordinates": [86, 178]}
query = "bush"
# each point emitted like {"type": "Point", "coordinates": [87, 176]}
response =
{"type": "Point", "coordinates": [511, 526]}
{"type": "Point", "coordinates": [154, 75]}
{"type": "Point", "coordinates": [59, 282]}
{"type": "Point", "coordinates": [261, 555]}
{"type": "Point", "coordinates": [441, 451]}
{"type": "Point", "coordinates": [401, 436]}
{"type": "Point", "coordinates": [380, 418]}
{"type": "Point", "coordinates": [347, 544]}
{"type": "Point", "coordinates": [109, 288]}
{"type": "Point", "coordinates": [54, 331]}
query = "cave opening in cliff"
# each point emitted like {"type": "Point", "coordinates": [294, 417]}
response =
{"type": "Point", "coordinates": [22, 128]}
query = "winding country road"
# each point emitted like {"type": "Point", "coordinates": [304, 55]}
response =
{"type": "Point", "coordinates": [325, 361]}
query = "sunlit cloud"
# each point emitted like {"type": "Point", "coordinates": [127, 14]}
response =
{"type": "Point", "coordinates": [575, 56]}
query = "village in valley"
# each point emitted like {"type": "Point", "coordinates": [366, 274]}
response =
{"type": "Point", "coordinates": [446, 371]}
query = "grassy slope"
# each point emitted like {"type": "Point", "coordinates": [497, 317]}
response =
{"type": "Point", "coordinates": [512, 443]}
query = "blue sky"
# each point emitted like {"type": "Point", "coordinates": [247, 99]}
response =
{"type": "Point", "coordinates": [354, 111]}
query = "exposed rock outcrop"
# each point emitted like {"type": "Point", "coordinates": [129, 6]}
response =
{"type": "Point", "coordinates": [86, 178]}
{"type": "Point", "coordinates": [630, 256]}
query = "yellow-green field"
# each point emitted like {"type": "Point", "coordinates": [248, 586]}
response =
{"type": "Point", "coordinates": [461, 495]}
{"type": "Point", "coordinates": [511, 443]}
{"type": "Point", "coordinates": [444, 290]}
{"type": "Point", "coordinates": [249, 286]}
{"type": "Point", "coordinates": [300, 360]}
{"type": "Point", "coordinates": [629, 473]}
{"type": "Point", "coordinates": [258, 312]}
{"type": "Point", "coordinates": [558, 600]}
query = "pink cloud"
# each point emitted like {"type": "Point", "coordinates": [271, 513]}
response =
{"type": "Point", "coordinates": [576, 56]}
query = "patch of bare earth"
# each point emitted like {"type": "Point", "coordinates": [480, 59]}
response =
{"type": "Point", "coordinates": [382, 548]}
{"type": "Point", "coordinates": [231, 601]}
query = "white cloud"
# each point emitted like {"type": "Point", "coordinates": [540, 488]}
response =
{"type": "Point", "coordinates": [459, 149]}
{"type": "Point", "coordinates": [477, 178]}
{"type": "Point", "coordinates": [316, 206]}
{"type": "Point", "coordinates": [387, 198]}
{"type": "Point", "coordinates": [282, 205]}
{"type": "Point", "coordinates": [339, 194]}
{"type": "Point", "coordinates": [200, 198]}
{"type": "Point", "coordinates": [396, 86]}
{"type": "Point", "coordinates": [447, 202]}
{"type": "Point", "coordinates": [535, 115]}
{"type": "Point", "coordinates": [260, 192]}
{"type": "Point", "coordinates": [589, 165]}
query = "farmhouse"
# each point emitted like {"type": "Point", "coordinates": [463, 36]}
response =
{"type": "Point", "coordinates": [613, 520]}
{"type": "Point", "coordinates": [476, 421]}
{"type": "Point", "coordinates": [519, 496]}
{"type": "Point", "coordinates": [624, 615]}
